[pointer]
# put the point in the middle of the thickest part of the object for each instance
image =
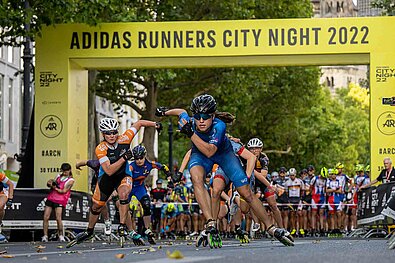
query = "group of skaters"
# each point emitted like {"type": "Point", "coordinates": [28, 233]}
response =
{"type": "Point", "coordinates": [232, 192]}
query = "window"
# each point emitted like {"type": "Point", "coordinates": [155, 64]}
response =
{"type": "Point", "coordinates": [10, 109]}
{"type": "Point", "coordinates": [10, 57]}
{"type": "Point", "coordinates": [1, 105]}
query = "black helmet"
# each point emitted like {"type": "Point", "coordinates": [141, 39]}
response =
{"type": "Point", "coordinates": [204, 104]}
{"type": "Point", "coordinates": [282, 170]}
{"type": "Point", "coordinates": [304, 171]}
{"type": "Point", "coordinates": [310, 168]}
{"type": "Point", "coordinates": [139, 152]}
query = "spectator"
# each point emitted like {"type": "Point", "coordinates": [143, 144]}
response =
{"type": "Point", "coordinates": [385, 176]}
{"type": "Point", "coordinates": [158, 196]}
{"type": "Point", "coordinates": [4, 200]}
{"type": "Point", "coordinates": [57, 199]}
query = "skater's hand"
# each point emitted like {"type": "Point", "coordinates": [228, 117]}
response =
{"type": "Point", "coordinates": [160, 111]}
{"type": "Point", "coordinates": [9, 202]}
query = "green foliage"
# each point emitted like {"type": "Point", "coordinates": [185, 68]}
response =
{"type": "Point", "coordinates": [388, 6]}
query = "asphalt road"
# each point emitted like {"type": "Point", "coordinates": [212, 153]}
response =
{"type": "Point", "coordinates": [305, 250]}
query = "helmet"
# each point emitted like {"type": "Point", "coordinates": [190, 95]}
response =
{"type": "Point", "coordinates": [108, 124]}
{"type": "Point", "coordinates": [139, 152]}
{"type": "Point", "coordinates": [359, 168]}
{"type": "Point", "coordinates": [292, 171]}
{"type": "Point", "coordinates": [274, 175]}
{"type": "Point", "coordinates": [170, 207]}
{"type": "Point", "coordinates": [339, 165]}
{"type": "Point", "coordinates": [204, 104]}
{"type": "Point", "coordinates": [254, 143]}
{"type": "Point", "coordinates": [282, 170]}
{"type": "Point", "coordinates": [332, 171]}
{"type": "Point", "coordinates": [304, 171]}
{"type": "Point", "coordinates": [367, 168]}
{"type": "Point", "coordinates": [159, 181]}
{"type": "Point", "coordinates": [324, 172]}
{"type": "Point", "coordinates": [310, 168]}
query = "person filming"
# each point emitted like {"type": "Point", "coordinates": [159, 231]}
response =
{"type": "Point", "coordinates": [57, 199]}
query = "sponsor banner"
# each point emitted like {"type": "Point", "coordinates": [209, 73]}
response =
{"type": "Point", "coordinates": [28, 206]}
{"type": "Point", "coordinates": [372, 201]}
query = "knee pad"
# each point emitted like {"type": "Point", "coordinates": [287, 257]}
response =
{"type": "Point", "coordinates": [96, 212]}
{"type": "Point", "coordinates": [123, 201]}
{"type": "Point", "coordinates": [146, 205]}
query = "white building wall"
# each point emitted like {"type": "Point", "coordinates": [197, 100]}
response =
{"type": "Point", "coordinates": [336, 77]}
{"type": "Point", "coordinates": [10, 106]}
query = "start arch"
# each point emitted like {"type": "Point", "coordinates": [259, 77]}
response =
{"type": "Point", "coordinates": [66, 52]}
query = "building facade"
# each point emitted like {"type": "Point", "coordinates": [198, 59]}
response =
{"type": "Point", "coordinates": [335, 77]}
{"type": "Point", "coordinates": [10, 106]}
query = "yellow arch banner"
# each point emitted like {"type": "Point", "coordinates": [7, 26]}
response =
{"type": "Point", "coordinates": [65, 52]}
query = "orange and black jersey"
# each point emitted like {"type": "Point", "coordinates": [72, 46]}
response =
{"type": "Point", "coordinates": [261, 163]}
{"type": "Point", "coordinates": [106, 152]}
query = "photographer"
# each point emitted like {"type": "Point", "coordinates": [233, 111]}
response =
{"type": "Point", "coordinates": [57, 199]}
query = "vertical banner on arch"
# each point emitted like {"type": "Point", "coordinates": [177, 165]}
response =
{"type": "Point", "coordinates": [60, 114]}
{"type": "Point", "coordinates": [382, 109]}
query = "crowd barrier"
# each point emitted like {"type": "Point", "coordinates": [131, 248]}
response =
{"type": "Point", "coordinates": [374, 205]}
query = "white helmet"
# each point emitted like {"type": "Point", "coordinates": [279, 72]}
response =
{"type": "Point", "coordinates": [292, 171]}
{"type": "Point", "coordinates": [254, 143]}
{"type": "Point", "coordinates": [274, 175]}
{"type": "Point", "coordinates": [108, 124]}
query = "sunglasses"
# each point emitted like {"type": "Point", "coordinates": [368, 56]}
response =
{"type": "Point", "coordinates": [139, 157]}
{"type": "Point", "coordinates": [203, 116]}
{"type": "Point", "coordinates": [110, 132]}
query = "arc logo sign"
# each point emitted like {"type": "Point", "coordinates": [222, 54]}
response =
{"type": "Point", "coordinates": [51, 126]}
{"type": "Point", "coordinates": [386, 123]}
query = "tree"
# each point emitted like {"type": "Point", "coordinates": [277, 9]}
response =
{"type": "Point", "coordinates": [387, 6]}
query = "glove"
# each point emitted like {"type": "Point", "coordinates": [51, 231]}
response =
{"type": "Point", "coordinates": [9, 202]}
{"type": "Point", "coordinates": [127, 155]}
{"type": "Point", "coordinates": [176, 177]}
{"type": "Point", "coordinates": [166, 170]}
{"type": "Point", "coordinates": [187, 129]}
{"type": "Point", "coordinates": [159, 127]}
{"type": "Point", "coordinates": [160, 111]}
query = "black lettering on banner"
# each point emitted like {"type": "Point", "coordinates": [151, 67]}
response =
{"type": "Point", "coordinates": [210, 35]}
{"type": "Point", "coordinates": [387, 151]}
{"type": "Point", "coordinates": [245, 40]}
{"type": "Point", "coordinates": [189, 39]}
{"type": "Point", "coordinates": [199, 38]}
{"type": "Point", "coordinates": [354, 33]}
{"type": "Point", "coordinates": [365, 30]}
{"type": "Point", "coordinates": [126, 36]}
{"type": "Point", "coordinates": [292, 38]}
{"type": "Point", "coordinates": [166, 39]}
{"type": "Point", "coordinates": [95, 40]}
{"type": "Point", "coordinates": [227, 43]}
{"type": "Point", "coordinates": [341, 35]}
{"type": "Point", "coordinates": [304, 35]}
{"type": "Point", "coordinates": [331, 39]}
{"type": "Point", "coordinates": [142, 39]}
{"type": "Point", "coordinates": [115, 41]}
{"type": "Point", "coordinates": [104, 40]}
{"type": "Point", "coordinates": [316, 32]}
{"type": "Point", "coordinates": [86, 40]}
{"type": "Point", "coordinates": [256, 34]}
{"type": "Point", "coordinates": [178, 39]}
{"type": "Point", "coordinates": [75, 43]}
{"type": "Point", "coordinates": [153, 39]}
